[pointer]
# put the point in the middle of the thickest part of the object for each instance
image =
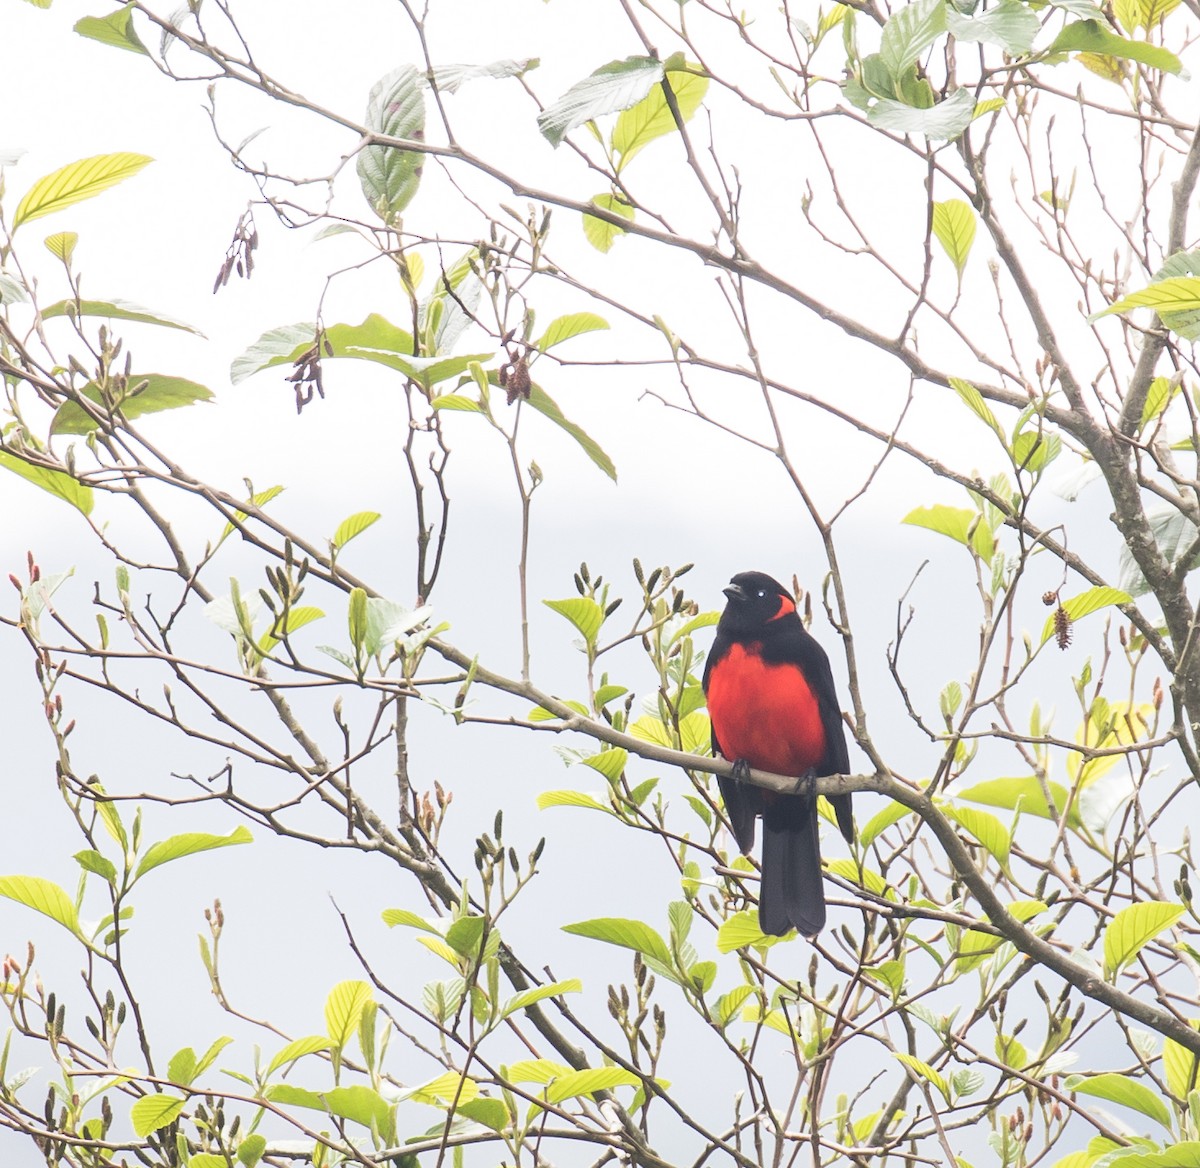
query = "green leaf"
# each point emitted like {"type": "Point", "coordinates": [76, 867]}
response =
{"type": "Point", "coordinates": [610, 763]}
{"type": "Point", "coordinates": [91, 860]}
{"type": "Point", "coordinates": [449, 1087]}
{"type": "Point", "coordinates": [924, 1071]}
{"type": "Point", "coordinates": [450, 78]}
{"type": "Point", "coordinates": [583, 612]}
{"type": "Point", "coordinates": [1011, 25]}
{"type": "Point", "coordinates": [536, 1071]}
{"type": "Point", "coordinates": [1026, 793]}
{"type": "Point", "coordinates": [909, 31]}
{"type": "Point", "coordinates": [182, 1067]}
{"type": "Point", "coordinates": [1172, 295]}
{"type": "Point", "coordinates": [56, 482]}
{"type": "Point", "coordinates": [571, 799]}
{"type": "Point", "coordinates": [359, 1104]}
{"type": "Point", "coordinates": [353, 526]}
{"type": "Point", "coordinates": [61, 245]}
{"type": "Point", "coordinates": [588, 1082]}
{"type": "Point", "coordinates": [260, 499]}
{"type": "Point", "coordinates": [492, 1113]}
{"type": "Point", "coordinates": [615, 86]}
{"type": "Point", "coordinates": [456, 401]}
{"type": "Point", "coordinates": [651, 118]}
{"type": "Point", "coordinates": [1090, 36]}
{"type": "Point", "coordinates": [157, 392]}
{"type": "Point", "coordinates": [356, 618]}
{"type": "Point", "coordinates": [891, 973]}
{"type": "Point", "coordinates": [42, 896]}
{"type": "Point", "coordinates": [297, 1049]}
{"type": "Point", "coordinates": [152, 1112]}
{"type": "Point", "coordinates": [1085, 603]}
{"type": "Point", "coordinates": [943, 121]}
{"type": "Point", "coordinates": [464, 935]}
{"type": "Point", "coordinates": [390, 176]}
{"type": "Point", "coordinates": [343, 1008]}
{"type": "Point", "coordinates": [210, 1056]}
{"type": "Point", "coordinates": [376, 339]}
{"type": "Point", "coordinates": [297, 618]}
{"type": "Point", "coordinates": [108, 309]}
{"type": "Point", "coordinates": [251, 1150]}
{"type": "Point", "coordinates": [546, 406]}
{"type": "Point", "coordinates": [76, 182]}
{"type": "Point", "coordinates": [1160, 393]}
{"type": "Point", "coordinates": [563, 328]}
{"type": "Point", "coordinates": [1175, 534]}
{"type": "Point", "coordinates": [1125, 1091]}
{"type": "Point", "coordinates": [1181, 1068]}
{"type": "Point", "coordinates": [401, 916]}
{"type": "Point", "coordinates": [742, 930]}
{"type": "Point", "coordinates": [728, 1005]}
{"type": "Point", "coordinates": [177, 846]}
{"type": "Point", "coordinates": [986, 828]}
{"type": "Point", "coordinates": [626, 933]}
{"type": "Point", "coordinates": [115, 29]}
{"type": "Point", "coordinates": [881, 821]}
{"type": "Point", "coordinates": [523, 1000]}
{"type": "Point", "coordinates": [954, 227]}
{"type": "Point", "coordinates": [955, 522]}
{"type": "Point", "coordinates": [1132, 928]}
{"type": "Point", "coordinates": [600, 233]}
{"type": "Point", "coordinates": [974, 401]}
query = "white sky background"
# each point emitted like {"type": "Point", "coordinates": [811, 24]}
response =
{"type": "Point", "coordinates": [685, 492]}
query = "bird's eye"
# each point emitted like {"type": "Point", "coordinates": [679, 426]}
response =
{"type": "Point", "coordinates": [762, 594]}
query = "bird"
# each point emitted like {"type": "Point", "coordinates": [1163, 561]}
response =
{"type": "Point", "coordinates": [773, 707]}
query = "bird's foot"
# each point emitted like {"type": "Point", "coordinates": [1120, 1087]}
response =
{"type": "Point", "coordinates": [806, 785]}
{"type": "Point", "coordinates": [741, 770]}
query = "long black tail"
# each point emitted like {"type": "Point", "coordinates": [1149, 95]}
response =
{"type": "Point", "coordinates": [791, 894]}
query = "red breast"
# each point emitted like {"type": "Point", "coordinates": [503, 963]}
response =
{"type": "Point", "coordinates": [765, 713]}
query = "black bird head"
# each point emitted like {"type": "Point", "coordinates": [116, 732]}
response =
{"type": "Point", "coordinates": [755, 599]}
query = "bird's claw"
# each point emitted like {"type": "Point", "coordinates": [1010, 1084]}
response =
{"type": "Point", "coordinates": [741, 770]}
{"type": "Point", "coordinates": [806, 785]}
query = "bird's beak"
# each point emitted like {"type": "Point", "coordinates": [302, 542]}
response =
{"type": "Point", "coordinates": [735, 592]}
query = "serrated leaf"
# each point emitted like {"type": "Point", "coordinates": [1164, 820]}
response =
{"type": "Point", "coordinates": [182, 1067]}
{"type": "Point", "coordinates": [588, 1082]}
{"type": "Point", "coordinates": [209, 1057]}
{"type": "Point", "coordinates": [728, 1005]}
{"type": "Point", "coordinates": [115, 29]}
{"type": "Point", "coordinates": [91, 860]}
{"type": "Point", "coordinates": [78, 181]}
{"type": "Point", "coordinates": [1091, 36]}
{"type": "Point", "coordinates": [297, 1049]}
{"type": "Point", "coordinates": [353, 526]}
{"type": "Point", "coordinates": [610, 763]}
{"type": "Point", "coordinates": [1132, 928]}
{"type": "Point", "coordinates": [343, 1008]}
{"type": "Point", "coordinates": [742, 930]}
{"type": "Point", "coordinates": [563, 328]}
{"type": "Point", "coordinates": [464, 935]}
{"type": "Point", "coordinates": [55, 482]}
{"type": "Point", "coordinates": [448, 1087]}
{"type": "Point", "coordinates": [188, 844]}
{"type": "Point", "coordinates": [61, 245]}
{"type": "Point", "coordinates": [626, 933]}
{"type": "Point", "coordinates": [924, 1071]}
{"type": "Point", "coordinates": [527, 998]}
{"type": "Point", "coordinates": [359, 1104]}
{"type": "Point", "coordinates": [1181, 1068]}
{"type": "Point", "coordinates": [909, 31]}
{"type": "Point", "coordinates": [107, 309]}
{"type": "Point", "coordinates": [375, 339]}
{"type": "Point", "coordinates": [863, 876]}
{"type": "Point", "coordinates": [943, 121]}
{"type": "Point", "coordinates": [957, 523]}
{"type": "Point", "coordinates": [152, 1112]}
{"type": "Point", "coordinates": [881, 821]}
{"type": "Point", "coordinates": [545, 405]}
{"type": "Point", "coordinates": [1085, 603]}
{"type": "Point", "coordinates": [297, 618]}
{"type": "Point", "coordinates": [600, 233]}
{"type": "Point", "coordinates": [536, 1071]}
{"type": "Point", "coordinates": [571, 799]}
{"type": "Point", "coordinates": [1176, 294]}
{"type": "Point", "coordinates": [251, 1150]}
{"type": "Point", "coordinates": [1024, 792]}
{"type": "Point", "coordinates": [954, 229]}
{"type": "Point", "coordinates": [1125, 1091]}
{"type": "Point", "coordinates": [652, 118]}
{"type": "Point", "coordinates": [1010, 24]}
{"type": "Point", "coordinates": [401, 916]}
{"type": "Point", "coordinates": [986, 828]}
{"type": "Point", "coordinates": [155, 392]}
{"type": "Point", "coordinates": [42, 896]}
{"type": "Point", "coordinates": [583, 612]}
{"type": "Point", "coordinates": [456, 401]}
{"type": "Point", "coordinates": [615, 86]}
{"type": "Point", "coordinates": [450, 78]}
{"type": "Point", "coordinates": [390, 176]}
